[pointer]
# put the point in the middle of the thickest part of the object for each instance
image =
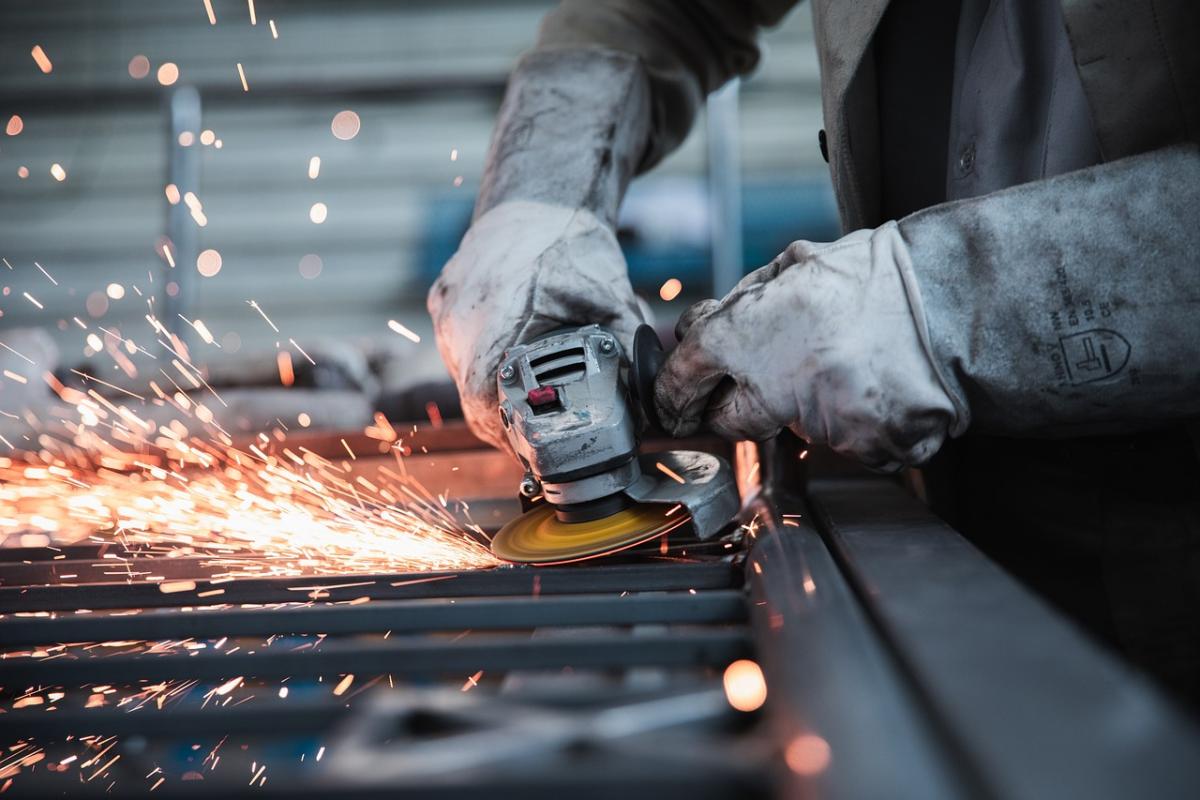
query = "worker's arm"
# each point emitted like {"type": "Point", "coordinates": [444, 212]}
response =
{"type": "Point", "coordinates": [1064, 306]}
{"type": "Point", "coordinates": [610, 88]}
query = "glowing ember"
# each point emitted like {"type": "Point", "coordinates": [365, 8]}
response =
{"type": "Point", "coordinates": [43, 61]}
{"type": "Point", "coordinates": [807, 754]}
{"type": "Point", "coordinates": [403, 331]}
{"type": "Point", "coordinates": [115, 290]}
{"type": "Point", "coordinates": [15, 125]}
{"type": "Point", "coordinates": [670, 289]}
{"type": "Point", "coordinates": [314, 167]}
{"type": "Point", "coordinates": [745, 687]}
{"type": "Point", "coordinates": [168, 73]}
{"type": "Point", "coordinates": [208, 263]}
{"type": "Point", "coordinates": [58, 172]}
{"type": "Point", "coordinates": [318, 213]}
{"type": "Point", "coordinates": [345, 125]}
{"type": "Point", "coordinates": [139, 67]}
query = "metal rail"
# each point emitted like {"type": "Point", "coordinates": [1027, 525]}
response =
{"type": "Point", "coordinates": [417, 657]}
{"type": "Point", "coordinates": [397, 616]}
{"type": "Point", "coordinates": [504, 581]}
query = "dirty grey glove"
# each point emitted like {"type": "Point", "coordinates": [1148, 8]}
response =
{"type": "Point", "coordinates": [1062, 307]}
{"type": "Point", "coordinates": [541, 253]}
{"type": "Point", "coordinates": [828, 340]}
{"type": "Point", "coordinates": [1070, 306]}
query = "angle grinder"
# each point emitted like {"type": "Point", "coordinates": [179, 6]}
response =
{"type": "Point", "coordinates": [574, 406]}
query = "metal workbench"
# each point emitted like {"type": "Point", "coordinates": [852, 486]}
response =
{"type": "Point", "coordinates": [899, 663]}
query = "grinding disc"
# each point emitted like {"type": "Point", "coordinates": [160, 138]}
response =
{"type": "Point", "coordinates": [539, 537]}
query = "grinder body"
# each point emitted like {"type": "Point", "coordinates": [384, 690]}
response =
{"type": "Point", "coordinates": [574, 405]}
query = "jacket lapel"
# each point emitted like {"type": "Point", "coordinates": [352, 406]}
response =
{"type": "Point", "coordinates": [843, 31]}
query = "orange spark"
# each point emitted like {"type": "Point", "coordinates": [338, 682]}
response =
{"type": "Point", "coordinates": [139, 67]}
{"type": "Point", "coordinates": [15, 125]}
{"type": "Point", "coordinates": [242, 75]}
{"type": "Point", "coordinates": [345, 125]}
{"type": "Point", "coordinates": [212, 17]}
{"type": "Point", "coordinates": [670, 289]}
{"type": "Point", "coordinates": [343, 685]}
{"type": "Point", "coordinates": [208, 263]}
{"type": "Point", "coordinates": [168, 73]}
{"type": "Point", "coordinates": [663, 468]}
{"type": "Point", "coordinates": [403, 331]}
{"type": "Point", "coordinates": [745, 686]}
{"type": "Point", "coordinates": [287, 375]}
{"type": "Point", "coordinates": [43, 61]}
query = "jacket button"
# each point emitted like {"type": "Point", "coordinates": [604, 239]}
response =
{"type": "Point", "coordinates": [823, 142]}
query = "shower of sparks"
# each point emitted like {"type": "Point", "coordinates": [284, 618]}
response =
{"type": "Point", "coordinates": [104, 473]}
{"type": "Point", "coordinates": [403, 331]}
{"type": "Point", "coordinates": [43, 60]}
{"type": "Point", "coordinates": [242, 75]}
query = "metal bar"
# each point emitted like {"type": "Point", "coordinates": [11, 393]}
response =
{"type": "Point", "coordinates": [650, 576]}
{"type": "Point", "coordinates": [1040, 708]}
{"type": "Point", "coordinates": [263, 716]}
{"type": "Point", "coordinates": [724, 188]}
{"type": "Point", "coordinates": [183, 170]}
{"type": "Point", "coordinates": [120, 570]}
{"type": "Point", "coordinates": [829, 677]}
{"type": "Point", "coordinates": [398, 616]}
{"type": "Point", "coordinates": [416, 657]}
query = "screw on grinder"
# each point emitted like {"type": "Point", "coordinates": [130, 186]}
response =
{"type": "Point", "coordinates": [574, 405]}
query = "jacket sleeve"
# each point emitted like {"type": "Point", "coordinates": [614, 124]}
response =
{"type": "Point", "coordinates": [688, 48]}
{"type": "Point", "coordinates": [1069, 306]}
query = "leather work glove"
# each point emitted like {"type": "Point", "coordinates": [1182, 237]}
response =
{"type": "Point", "coordinates": [541, 252]}
{"type": "Point", "coordinates": [828, 340]}
{"type": "Point", "coordinates": [1063, 307]}
{"type": "Point", "coordinates": [524, 269]}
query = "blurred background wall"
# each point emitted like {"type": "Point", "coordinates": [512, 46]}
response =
{"type": "Point", "coordinates": [424, 79]}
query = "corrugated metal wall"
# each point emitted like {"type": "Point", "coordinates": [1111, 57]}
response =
{"type": "Point", "coordinates": [425, 78]}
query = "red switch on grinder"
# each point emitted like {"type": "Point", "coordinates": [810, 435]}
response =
{"type": "Point", "coordinates": [542, 397]}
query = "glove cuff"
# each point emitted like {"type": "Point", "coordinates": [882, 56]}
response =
{"type": "Point", "coordinates": [891, 234]}
{"type": "Point", "coordinates": [572, 130]}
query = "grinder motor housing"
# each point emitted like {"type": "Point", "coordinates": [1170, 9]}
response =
{"type": "Point", "coordinates": [574, 405]}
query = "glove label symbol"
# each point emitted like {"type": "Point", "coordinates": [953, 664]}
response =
{"type": "Point", "coordinates": [1093, 355]}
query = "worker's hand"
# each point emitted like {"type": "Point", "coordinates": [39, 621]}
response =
{"type": "Point", "coordinates": [828, 340]}
{"type": "Point", "coordinates": [524, 269]}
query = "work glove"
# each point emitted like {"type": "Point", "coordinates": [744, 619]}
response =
{"type": "Point", "coordinates": [541, 253]}
{"type": "Point", "coordinates": [1063, 307]}
{"type": "Point", "coordinates": [524, 269]}
{"type": "Point", "coordinates": [828, 340]}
